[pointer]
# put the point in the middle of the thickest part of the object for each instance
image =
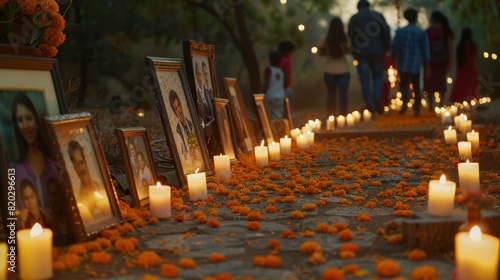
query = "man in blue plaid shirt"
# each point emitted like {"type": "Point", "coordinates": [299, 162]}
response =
{"type": "Point", "coordinates": [410, 50]}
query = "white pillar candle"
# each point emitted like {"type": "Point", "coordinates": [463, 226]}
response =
{"type": "Point", "coordinates": [445, 117]}
{"type": "Point", "coordinates": [468, 176]}
{"type": "Point", "coordinates": [310, 138]}
{"type": "Point", "coordinates": [464, 150]}
{"type": "Point", "coordinates": [159, 200]}
{"type": "Point", "coordinates": [274, 151]}
{"type": "Point", "coordinates": [295, 133]}
{"type": "Point", "coordinates": [476, 255]}
{"type": "Point", "coordinates": [458, 121]}
{"type": "Point", "coordinates": [302, 142]}
{"type": "Point", "coordinates": [330, 123]}
{"type": "Point", "coordinates": [453, 110]}
{"type": "Point", "coordinates": [350, 120]}
{"type": "Point", "coordinates": [340, 121]}
{"type": "Point", "coordinates": [317, 125]}
{"type": "Point", "coordinates": [450, 136]}
{"type": "Point", "coordinates": [4, 258]}
{"type": "Point", "coordinates": [285, 145]}
{"type": "Point", "coordinates": [473, 138]}
{"type": "Point", "coordinates": [441, 197]}
{"type": "Point", "coordinates": [367, 115]}
{"type": "Point", "coordinates": [357, 116]}
{"type": "Point", "coordinates": [197, 185]}
{"type": "Point", "coordinates": [35, 252]}
{"type": "Point", "coordinates": [222, 165]}
{"type": "Point", "coordinates": [261, 155]}
{"type": "Point", "coordinates": [306, 128]}
{"type": "Point", "coordinates": [466, 126]}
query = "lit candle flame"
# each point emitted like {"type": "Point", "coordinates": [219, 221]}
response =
{"type": "Point", "coordinates": [467, 161]}
{"type": "Point", "coordinates": [98, 195]}
{"type": "Point", "coordinates": [331, 118]}
{"type": "Point", "coordinates": [286, 136]}
{"type": "Point", "coordinates": [473, 132]}
{"type": "Point", "coordinates": [442, 180]}
{"type": "Point", "coordinates": [197, 169]}
{"type": "Point", "coordinates": [449, 128]}
{"type": "Point", "coordinates": [158, 185]}
{"type": "Point", "coordinates": [262, 143]}
{"type": "Point", "coordinates": [301, 135]}
{"type": "Point", "coordinates": [36, 230]}
{"type": "Point", "coordinates": [475, 234]}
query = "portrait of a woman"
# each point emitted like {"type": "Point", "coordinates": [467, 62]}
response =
{"type": "Point", "coordinates": [34, 163]}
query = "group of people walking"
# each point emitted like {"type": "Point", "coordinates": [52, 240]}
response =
{"type": "Point", "coordinates": [368, 40]}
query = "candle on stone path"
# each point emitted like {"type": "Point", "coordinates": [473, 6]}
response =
{"type": "Point", "coordinates": [306, 128]}
{"type": "Point", "coordinates": [159, 200]}
{"type": "Point", "coordinates": [473, 138]}
{"type": "Point", "coordinates": [310, 138]}
{"type": "Point", "coordinates": [367, 115]}
{"type": "Point", "coordinates": [453, 111]}
{"type": "Point", "coordinates": [330, 123]}
{"type": "Point", "coordinates": [274, 151]}
{"type": "Point", "coordinates": [464, 150]}
{"type": "Point", "coordinates": [441, 197]}
{"type": "Point", "coordinates": [34, 247]}
{"type": "Point", "coordinates": [445, 116]}
{"type": "Point", "coordinates": [458, 121]}
{"type": "Point", "coordinates": [261, 155]}
{"type": "Point", "coordinates": [197, 185]}
{"type": "Point", "coordinates": [476, 255]}
{"type": "Point", "coordinates": [222, 165]}
{"type": "Point", "coordinates": [357, 116]}
{"type": "Point", "coordinates": [302, 142]}
{"type": "Point", "coordinates": [317, 127]}
{"type": "Point", "coordinates": [450, 136]}
{"type": "Point", "coordinates": [285, 145]}
{"type": "Point", "coordinates": [350, 120]}
{"type": "Point", "coordinates": [465, 125]}
{"type": "Point", "coordinates": [295, 133]}
{"type": "Point", "coordinates": [3, 260]}
{"type": "Point", "coordinates": [340, 121]}
{"type": "Point", "coordinates": [468, 177]}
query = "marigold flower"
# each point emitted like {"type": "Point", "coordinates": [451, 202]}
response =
{"type": "Point", "coordinates": [169, 271]}
{"type": "Point", "coordinates": [296, 214]}
{"type": "Point", "coordinates": [309, 207]}
{"type": "Point", "coordinates": [254, 216]}
{"type": "Point", "coordinates": [322, 227]}
{"type": "Point", "coordinates": [340, 226]}
{"type": "Point", "coordinates": [274, 244]}
{"type": "Point", "coordinates": [332, 274]}
{"type": "Point", "coordinates": [309, 247]}
{"type": "Point", "coordinates": [417, 255]}
{"type": "Point", "coordinates": [346, 235]}
{"type": "Point", "coordinates": [77, 249]}
{"type": "Point", "coordinates": [364, 217]}
{"type": "Point", "coordinates": [347, 255]}
{"type": "Point", "coordinates": [388, 268]}
{"type": "Point", "coordinates": [271, 209]}
{"type": "Point", "coordinates": [126, 245]}
{"type": "Point", "coordinates": [288, 234]}
{"type": "Point", "coordinates": [69, 261]}
{"type": "Point", "coordinates": [187, 263]}
{"type": "Point", "coordinates": [216, 257]}
{"type": "Point", "coordinates": [349, 246]}
{"type": "Point", "coordinates": [395, 239]}
{"type": "Point", "coordinates": [426, 272]}
{"type": "Point", "coordinates": [148, 259]}
{"type": "Point", "coordinates": [317, 258]}
{"type": "Point", "coordinates": [254, 225]}
{"type": "Point", "coordinates": [351, 268]}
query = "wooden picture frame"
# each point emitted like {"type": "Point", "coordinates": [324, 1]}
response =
{"type": "Point", "coordinates": [135, 150]}
{"type": "Point", "coordinates": [225, 126]}
{"type": "Point", "coordinates": [85, 175]}
{"type": "Point", "coordinates": [200, 69]}
{"type": "Point", "coordinates": [185, 141]}
{"type": "Point", "coordinates": [246, 137]}
{"type": "Point", "coordinates": [30, 89]}
{"type": "Point", "coordinates": [263, 116]}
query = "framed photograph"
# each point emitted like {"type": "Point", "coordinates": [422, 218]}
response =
{"type": "Point", "coordinates": [225, 126]}
{"type": "Point", "coordinates": [263, 114]}
{"type": "Point", "coordinates": [288, 112]}
{"type": "Point", "coordinates": [86, 180]}
{"type": "Point", "coordinates": [179, 118]}
{"type": "Point", "coordinates": [200, 70]}
{"type": "Point", "coordinates": [138, 161]}
{"type": "Point", "coordinates": [30, 89]}
{"type": "Point", "coordinates": [239, 113]}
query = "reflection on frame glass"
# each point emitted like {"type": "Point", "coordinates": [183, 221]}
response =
{"type": "Point", "coordinates": [200, 70]}
{"type": "Point", "coordinates": [30, 89]}
{"type": "Point", "coordinates": [138, 161]}
{"type": "Point", "coordinates": [262, 112]}
{"type": "Point", "coordinates": [225, 128]}
{"type": "Point", "coordinates": [246, 138]}
{"type": "Point", "coordinates": [85, 174]}
{"type": "Point", "coordinates": [178, 115]}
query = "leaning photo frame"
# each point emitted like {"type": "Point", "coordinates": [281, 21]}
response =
{"type": "Point", "coordinates": [85, 175]}
{"type": "Point", "coordinates": [138, 161]}
{"type": "Point", "coordinates": [31, 89]}
{"type": "Point", "coordinates": [225, 126]}
{"type": "Point", "coordinates": [179, 118]}
{"type": "Point", "coordinates": [263, 114]}
{"type": "Point", "coordinates": [199, 59]}
{"type": "Point", "coordinates": [246, 138]}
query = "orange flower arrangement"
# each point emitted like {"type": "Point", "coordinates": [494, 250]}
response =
{"type": "Point", "coordinates": [388, 268]}
{"type": "Point", "coordinates": [169, 271]}
{"type": "Point", "coordinates": [40, 17]}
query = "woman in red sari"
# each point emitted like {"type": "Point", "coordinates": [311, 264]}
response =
{"type": "Point", "coordinates": [465, 86]}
